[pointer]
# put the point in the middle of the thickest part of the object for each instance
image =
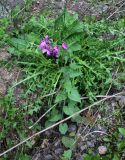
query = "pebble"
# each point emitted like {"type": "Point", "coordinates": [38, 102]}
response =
{"type": "Point", "coordinates": [48, 157]}
{"type": "Point", "coordinates": [57, 144]}
{"type": "Point", "coordinates": [102, 150]}
{"type": "Point", "coordinates": [79, 157]}
{"type": "Point", "coordinates": [72, 128]}
{"type": "Point", "coordinates": [122, 101]}
{"type": "Point", "coordinates": [83, 147]}
{"type": "Point", "coordinates": [59, 151]}
{"type": "Point", "coordinates": [90, 144]}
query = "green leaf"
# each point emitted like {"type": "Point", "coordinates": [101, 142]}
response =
{"type": "Point", "coordinates": [24, 157]}
{"type": "Point", "coordinates": [74, 73]}
{"type": "Point", "coordinates": [75, 47]}
{"type": "Point", "coordinates": [19, 44]}
{"type": "Point", "coordinates": [122, 131]}
{"type": "Point", "coordinates": [68, 142]}
{"type": "Point", "coordinates": [107, 139]}
{"type": "Point", "coordinates": [121, 145]}
{"type": "Point", "coordinates": [74, 95]}
{"type": "Point", "coordinates": [71, 108]}
{"type": "Point", "coordinates": [68, 110]}
{"type": "Point", "coordinates": [70, 19]}
{"type": "Point", "coordinates": [77, 119]}
{"type": "Point", "coordinates": [67, 154]}
{"type": "Point", "coordinates": [115, 157]}
{"type": "Point", "coordinates": [61, 96]}
{"type": "Point", "coordinates": [63, 128]}
{"type": "Point", "coordinates": [55, 118]}
{"type": "Point", "coordinates": [88, 157]}
{"type": "Point", "coordinates": [75, 66]}
{"type": "Point", "coordinates": [68, 85]}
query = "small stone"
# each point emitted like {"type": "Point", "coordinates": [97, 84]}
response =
{"type": "Point", "coordinates": [37, 156]}
{"type": "Point", "coordinates": [122, 101]}
{"type": "Point", "coordinates": [57, 144]}
{"type": "Point", "coordinates": [79, 157]}
{"type": "Point", "coordinates": [59, 151]}
{"type": "Point", "coordinates": [102, 150]}
{"type": "Point", "coordinates": [72, 128]}
{"type": "Point", "coordinates": [83, 147]}
{"type": "Point", "coordinates": [48, 157]}
{"type": "Point", "coordinates": [90, 144]}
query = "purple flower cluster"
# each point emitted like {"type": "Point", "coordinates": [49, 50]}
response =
{"type": "Point", "coordinates": [47, 47]}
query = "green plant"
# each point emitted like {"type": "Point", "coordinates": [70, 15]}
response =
{"type": "Point", "coordinates": [4, 22]}
{"type": "Point", "coordinates": [95, 50]}
{"type": "Point", "coordinates": [63, 128]}
{"type": "Point", "coordinates": [67, 155]}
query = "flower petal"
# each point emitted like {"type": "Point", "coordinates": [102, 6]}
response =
{"type": "Point", "coordinates": [64, 46]}
{"type": "Point", "coordinates": [42, 44]}
{"type": "Point", "coordinates": [56, 51]}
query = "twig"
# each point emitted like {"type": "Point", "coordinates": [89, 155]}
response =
{"type": "Point", "coordinates": [88, 124]}
{"type": "Point", "coordinates": [119, 2]}
{"type": "Point", "coordinates": [47, 95]}
{"type": "Point", "coordinates": [93, 123]}
{"type": "Point", "coordinates": [56, 124]}
{"type": "Point", "coordinates": [83, 138]}
{"type": "Point", "coordinates": [111, 82]}
{"type": "Point", "coordinates": [100, 96]}
{"type": "Point", "coordinates": [116, 11]}
{"type": "Point", "coordinates": [42, 116]}
{"type": "Point", "coordinates": [121, 11]}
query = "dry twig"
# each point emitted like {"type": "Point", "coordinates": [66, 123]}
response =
{"type": "Point", "coordinates": [116, 10]}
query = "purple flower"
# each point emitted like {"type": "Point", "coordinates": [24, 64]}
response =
{"type": "Point", "coordinates": [42, 44]}
{"type": "Point", "coordinates": [56, 51]}
{"type": "Point", "coordinates": [46, 38]}
{"type": "Point", "coordinates": [47, 51]}
{"type": "Point", "coordinates": [47, 47]}
{"type": "Point", "coordinates": [64, 46]}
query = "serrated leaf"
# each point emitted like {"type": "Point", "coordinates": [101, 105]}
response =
{"type": "Point", "coordinates": [75, 66]}
{"type": "Point", "coordinates": [67, 154]}
{"type": "Point", "coordinates": [55, 118]}
{"type": "Point", "coordinates": [75, 47]}
{"type": "Point", "coordinates": [115, 157]}
{"type": "Point", "coordinates": [70, 19]}
{"type": "Point", "coordinates": [74, 73]}
{"type": "Point", "coordinates": [63, 128]}
{"type": "Point", "coordinates": [122, 131]}
{"type": "Point", "coordinates": [68, 85]}
{"type": "Point", "coordinates": [61, 96]}
{"type": "Point", "coordinates": [77, 119]}
{"type": "Point", "coordinates": [74, 95]}
{"type": "Point", "coordinates": [68, 142]}
{"type": "Point", "coordinates": [68, 110]}
{"type": "Point", "coordinates": [24, 157]}
{"type": "Point", "coordinates": [121, 145]}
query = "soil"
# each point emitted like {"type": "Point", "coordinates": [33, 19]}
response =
{"type": "Point", "coordinates": [99, 9]}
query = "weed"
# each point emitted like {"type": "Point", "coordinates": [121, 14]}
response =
{"type": "Point", "coordinates": [91, 53]}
